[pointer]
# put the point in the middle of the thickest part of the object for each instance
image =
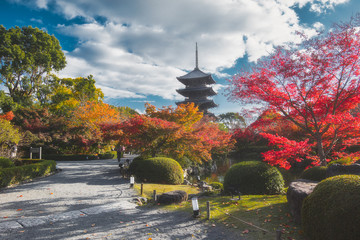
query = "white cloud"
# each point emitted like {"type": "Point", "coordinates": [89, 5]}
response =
{"type": "Point", "coordinates": [145, 45]}
{"type": "Point", "coordinates": [42, 4]}
{"type": "Point", "coordinates": [36, 20]}
{"type": "Point", "coordinates": [118, 93]}
{"type": "Point", "coordinates": [318, 6]}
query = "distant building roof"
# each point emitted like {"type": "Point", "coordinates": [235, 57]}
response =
{"type": "Point", "coordinates": [196, 89]}
{"type": "Point", "coordinates": [196, 75]}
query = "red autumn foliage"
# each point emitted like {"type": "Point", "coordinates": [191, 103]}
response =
{"type": "Point", "coordinates": [7, 116]}
{"type": "Point", "coordinates": [315, 88]}
{"type": "Point", "coordinates": [173, 132]}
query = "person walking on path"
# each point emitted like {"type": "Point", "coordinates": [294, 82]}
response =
{"type": "Point", "coordinates": [119, 151]}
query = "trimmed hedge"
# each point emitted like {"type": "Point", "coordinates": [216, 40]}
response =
{"type": "Point", "coordinates": [18, 174]}
{"type": "Point", "coordinates": [158, 170]}
{"type": "Point", "coordinates": [6, 163]}
{"type": "Point", "coordinates": [134, 164]}
{"type": "Point", "coordinates": [78, 157]}
{"type": "Point", "coordinates": [317, 173]}
{"type": "Point", "coordinates": [332, 210]}
{"type": "Point", "coordinates": [253, 177]}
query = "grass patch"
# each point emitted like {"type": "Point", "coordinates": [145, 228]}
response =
{"type": "Point", "coordinates": [149, 188]}
{"type": "Point", "coordinates": [269, 212]}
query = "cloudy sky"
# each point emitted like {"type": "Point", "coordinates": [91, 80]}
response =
{"type": "Point", "coordinates": [135, 49]}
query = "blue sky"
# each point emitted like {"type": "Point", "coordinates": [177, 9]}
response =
{"type": "Point", "coordinates": [135, 49]}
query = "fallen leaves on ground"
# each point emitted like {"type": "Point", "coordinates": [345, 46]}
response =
{"type": "Point", "coordinates": [246, 231]}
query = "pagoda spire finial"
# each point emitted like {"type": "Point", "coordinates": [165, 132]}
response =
{"type": "Point", "coordinates": [196, 57]}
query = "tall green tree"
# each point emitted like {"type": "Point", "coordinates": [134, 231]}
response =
{"type": "Point", "coordinates": [27, 56]}
{"type": "Point", "coordinates": [9, 136]}
{"type": "Point", "coordinates": [6, 103]}
{"type": "Point", "coordinates": [63, 95]}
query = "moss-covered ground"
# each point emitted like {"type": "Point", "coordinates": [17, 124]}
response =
{"type": "Point", "coordinates": [251, 215]}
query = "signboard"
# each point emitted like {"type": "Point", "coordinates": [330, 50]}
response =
{"type": "Point", "coordinates": [35, 150]}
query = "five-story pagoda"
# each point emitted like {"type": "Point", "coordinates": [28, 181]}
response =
{"type": "Point", "coordinates": [197, 88]}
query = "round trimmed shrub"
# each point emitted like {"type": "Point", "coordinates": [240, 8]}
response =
{"type": "Point", "coordinates": [253, 177]}
{"type": "Point", "coordinates": [332, 210]}
{"type": "Point", "coordinates": [159, 170]}
{"type": "Point", "coordinates": [317, 173]}
{"type": "Point", "coordinates": [135, 163]}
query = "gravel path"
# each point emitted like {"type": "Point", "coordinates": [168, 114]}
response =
{"type": "Point", "coordinates": [89, 200]}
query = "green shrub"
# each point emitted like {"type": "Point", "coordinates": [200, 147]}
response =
{"type": "Point", "coordinates": [253, 177]}
{"type": "Point", "coordinates": [18, 174]}
{"type": "Point", "coordinates": [332, 210]}
{"type": "Point", "coordinates": [184, 162]}
{"type": "Point", "coordinates": [107, 155]}
{"type": "Point", "coordinates": [5, 163]}
{"type": "Point", "coordinates": [217, 186]}
{"type": "Point", "coordinates": [70, 157]}
{"type": "Point", "coordinates": [158, 170]}
{"type": "Point", "coordinates": [134, 164]}
{"type": "Point", "coordinates": [317, 173]}
{"type": "Point", "coordinates": [26, 161]}
{"type": "Point", "coordinates": [288, 175]}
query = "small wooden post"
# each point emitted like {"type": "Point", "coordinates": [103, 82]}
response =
{"type": "Point", "coordinates": [208, 210]}
{"type": "Point", "coordinates": [142, 189]}
{"type": "Point", "coordinates": [30, 152]}
{"type": "Point", "coordinates": [154, 196]}
{"type": "Point", "coordinates": [278, 234]}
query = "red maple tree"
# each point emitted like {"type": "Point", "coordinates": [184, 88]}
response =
{"type": "Point", "coordinates": [315, 86]}
{"type": "Point", "coordinates": [174, 132]}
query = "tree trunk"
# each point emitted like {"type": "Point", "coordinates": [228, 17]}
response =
{"type": "Point", "coordinates": [321, 152]}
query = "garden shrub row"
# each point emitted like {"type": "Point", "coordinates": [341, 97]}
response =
{"type": "Point", "coordinates": [18, 174]}
{"type": "Point", "coordinates": [79, 157]}
{"type": "Point", "coordinates": [6, 163]}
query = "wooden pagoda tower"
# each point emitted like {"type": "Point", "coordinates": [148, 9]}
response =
{"type": "Point", "coordinates": [197, 89]}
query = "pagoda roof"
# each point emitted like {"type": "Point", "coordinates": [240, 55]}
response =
{"type": "Point", "coordinates": [202, 90]}
{"type": "Point", "coordinates": [202, 103]}
{"type": "Point", "coordinates": [196, 74]}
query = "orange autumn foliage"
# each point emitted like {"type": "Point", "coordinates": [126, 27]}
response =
{"type": "Point", "coordinates": [88, 119]}
{"type": "Point", "coordinates": [7, 116]}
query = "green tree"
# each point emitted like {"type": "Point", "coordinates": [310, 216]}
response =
{"type": "Point", "coordinates": [232, 120]}
{"type": "Point", "coordinates": [66, 94]}
{"type": "Point", "coordinates": [6, 103]}
{"type": "Point", "coordinates": [27, 56]}
{"type": "Point", "coordinates": [9, 136]}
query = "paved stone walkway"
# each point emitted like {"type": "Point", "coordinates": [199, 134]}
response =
{"type": "Point", "coordinates": [89, 200]}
